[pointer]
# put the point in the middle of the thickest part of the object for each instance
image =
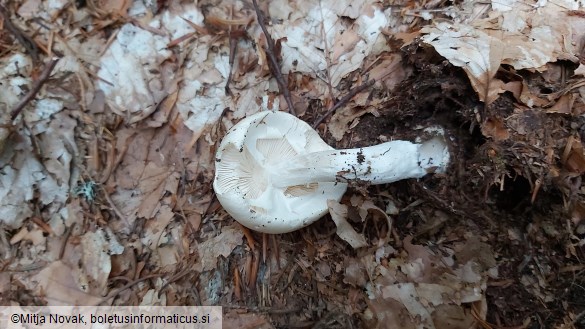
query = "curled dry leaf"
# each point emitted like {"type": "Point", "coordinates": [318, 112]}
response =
{"type": "Point", "coordinates": [479, 54]}
{"type": "Point", "coordinates": [137, 71]}
{"type": "Point", "coordinates": [389, 70]}
{"type": "Point", "coordinates": [23, 177]}
{"type": "Point", "coordinates": [202, 99]}
{"type": "Point", "coordinates": [525, 37]}
{"type": "Point", "coordinates": [98, 247]}
{"type": "Point", "coordinates": [345, 231]}
{"type": "Point", "coordinates": [128, 73]}
{"type": "Point", "coordinates": [574, 159]}
{"type": "Point", "coordinates": [342, 120]}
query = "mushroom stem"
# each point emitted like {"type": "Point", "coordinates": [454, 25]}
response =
{"type": "Point", "coordinates": [379, 164]}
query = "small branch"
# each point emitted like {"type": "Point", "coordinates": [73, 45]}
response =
{"type": "Point", "coordinates": [233, 50]}
{"type": "Point", "coordinates": [327, 58]}
{"type": "Point", "coordinates": [65, 240]}
{"type": "Point", "coordinates": [127, 286]}
{"type": "Point", "coordinates": [273, 61]}
{"type": "Point", "coordinates": [26, 41]}
{"type": "Point", "coordinates": [35, 88]}
{"type": "Point", "coordinates": [344, 100]}
{"type": "Point", "coordinates": [115, 209]}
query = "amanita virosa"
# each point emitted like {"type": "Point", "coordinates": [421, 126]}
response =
{"type": "Point", "coordinates": [274, 173]}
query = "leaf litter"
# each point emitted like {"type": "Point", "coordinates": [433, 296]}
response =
{"type": "Point", "coordinates": [105, 177]}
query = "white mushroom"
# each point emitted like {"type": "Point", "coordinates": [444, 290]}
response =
{"type": "Point", "coordinates": [274, 173]}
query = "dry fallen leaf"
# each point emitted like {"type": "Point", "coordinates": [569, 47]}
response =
{"type": "Point", "coordinates": [156, 227]}
{"type": "Point", "coordinates": [58, 284]}
{"type": "Point", "coordinates": [338, 213]}
{"type": "Point", "coordinates": [318, 39]}
{"type": "Point", "coordinates": [153, 297]}
{"type": "Point", "coordinates": [223, 244]}
{"type": "Point", "coordinates": [129, 73]}
{"type": "Point", "coordinates": [495, 128]}
{"type": "Point", "coordinates": [202, 99]}
{"type": "Point", "coordinates": [137, 71]}
{"type": "Point", "coordinates": [522, 35]}
{"type": "Point", "coordinates": [14, 71]}
{"type": "Point", "coordinates": [98, 247]}
{"type": "Point", "coordinates": [25, 174]}
{"type": "Point", "coordinates": [564, 105]}
{"type": "Point", "coordinates": [575, 160]}
{"type": "Point", "coordinates": [341, 121]}
{"type": "Point", "coordinates": [478, 53]}
{"type": "Point", "coordinates": [430, 289]}
{"type": "Point", "coordinates": [389, 70]}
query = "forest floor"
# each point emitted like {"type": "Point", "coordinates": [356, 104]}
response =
{"type": "Point", "coordinates": [111, 112]}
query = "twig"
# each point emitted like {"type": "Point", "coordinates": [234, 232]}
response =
{"type": "Point", "coordinates": [115, 209]}
{"type": "Point", "coordinates": [249, 237]}
{"type": "Point", "coordinates": [344, 100]}
{"type": "Point", "coordinates": [327, 58]}
{"type": "Point", "coordinates": [233, 50]}
{"type": "Point", "coordinates": [26, 41]}
{"type": "Point", "coordinates": [25, 268]}
{"type": "Point", "coordinates": [65, 240]}
{"type": "Point", "coordinates": [128, 285]}
{"type": "Point", "coordinates": [35, 88]}
{"type": "Point", "coordinates": [175, 278]}
{"type": "Point", "coordinates": [273, 61]}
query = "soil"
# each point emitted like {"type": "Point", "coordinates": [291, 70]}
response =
{"type": "Point", "coordinates": [476, 199]}
{"type": "Point", "coordinates": [488, 192]}
{"type": "Point", "coordinates": [514, 188]}
{"type": "Point", "coordinates": [500, 155]}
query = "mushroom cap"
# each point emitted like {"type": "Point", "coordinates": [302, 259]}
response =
{"type": "Point", "coordinates": [244, 174]}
